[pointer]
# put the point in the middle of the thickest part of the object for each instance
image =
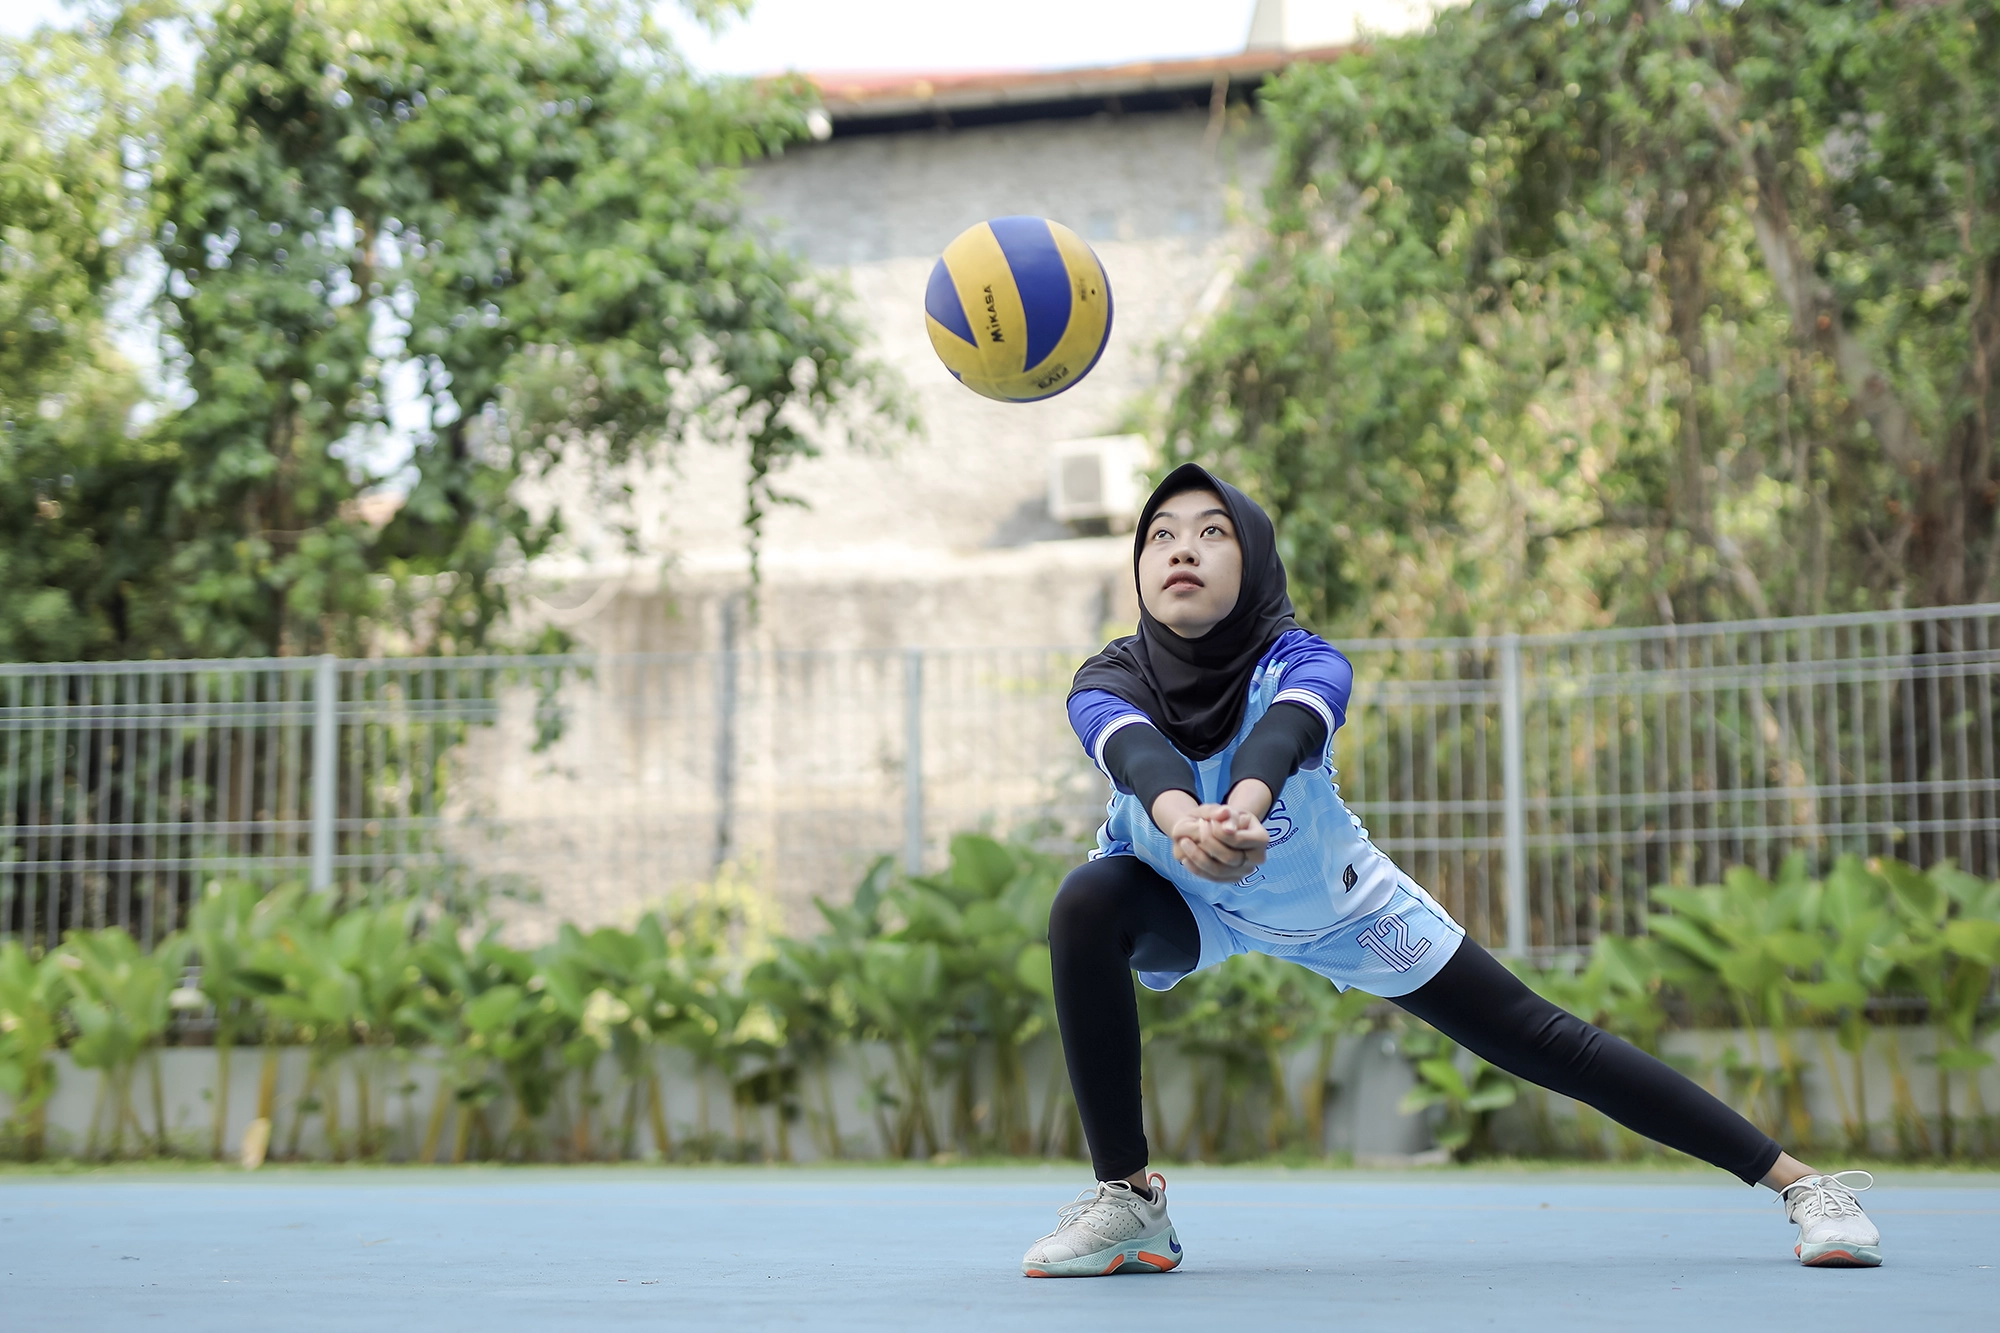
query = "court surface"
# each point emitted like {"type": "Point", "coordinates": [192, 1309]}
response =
{"type": "Point", "coordinates": [496, 1250]}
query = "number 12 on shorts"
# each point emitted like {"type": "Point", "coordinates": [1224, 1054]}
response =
{"type": "Point", "coordinates": [1389, 938]}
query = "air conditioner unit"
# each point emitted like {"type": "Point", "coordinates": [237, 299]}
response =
{"type": "Point", "coordinates": [1098, 480]}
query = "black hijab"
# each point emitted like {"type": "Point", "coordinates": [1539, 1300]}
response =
{"type": "Point", "coordinates": [1195, 690]}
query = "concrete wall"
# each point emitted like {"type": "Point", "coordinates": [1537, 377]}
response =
{"type": "Point", "coordinates": [1370, 1077]}
{"type": "Point", "coordinates": [1361, 1117]}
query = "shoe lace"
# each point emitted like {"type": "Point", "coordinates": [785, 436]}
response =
{"type": "Point", "coordinates": [1827, 1196]}
{"type": "Point", "coordinates": [1081, 1208]}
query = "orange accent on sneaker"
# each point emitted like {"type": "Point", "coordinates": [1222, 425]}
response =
{"type": "Point", "coordinates": [1036, 1272]}
{"type": "Point", "coordinates": [1159, 1261]}
{"type": "Point", "coordinates": [1834, 1259]}
{"type": "Point", "coordinates": [1112, 1267]}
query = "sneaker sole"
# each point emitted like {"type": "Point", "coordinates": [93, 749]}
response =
{"type": "Point", "coordinates": [1833, 1254]}
{"type": "Point", "coordinates": [1154, 1254]}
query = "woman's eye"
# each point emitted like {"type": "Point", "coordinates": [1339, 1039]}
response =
{"type": "Point", "coordinates": [1212, 531]}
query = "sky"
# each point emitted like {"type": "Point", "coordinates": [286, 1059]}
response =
{"type": "Point", "coordinates": [964, 34]}
{"type": "Point", "coordinates": [918, 34]}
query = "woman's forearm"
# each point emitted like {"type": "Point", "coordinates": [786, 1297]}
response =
{"type": "Point", "coordinates": [1284, 739]}
{"type": "Point", "coordinates": [1253, 797]}
{"type": "Point", "coordinates": [1170, 807]}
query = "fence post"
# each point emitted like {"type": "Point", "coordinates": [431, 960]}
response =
{"type": "Point", "coordinates": [725, 736]}
{"type": "Point", "coordinates": [325, 766]}
{"type": "Point", "coordinates": [1514, 826]}
{"type": "Point", "coordinates": [913, 760]}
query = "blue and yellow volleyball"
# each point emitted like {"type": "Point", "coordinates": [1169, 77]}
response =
{"type": "Point", "coordinates": [1018, 309]}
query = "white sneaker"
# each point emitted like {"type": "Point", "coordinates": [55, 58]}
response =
{"type": "Point", "coordinates": [1833, 1231]}
{"type": "Point", "coordinates": [1106, 1229]}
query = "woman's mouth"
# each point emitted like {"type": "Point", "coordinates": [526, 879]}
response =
{"type": "Point", "coordinates": [1182, 580]}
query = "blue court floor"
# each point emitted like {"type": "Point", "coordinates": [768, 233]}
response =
{"type": "Point", "coordinates": [500, 1250]}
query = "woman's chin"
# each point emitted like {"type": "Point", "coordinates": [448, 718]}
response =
{"type": "Point", "coordinates": [1188, 629]}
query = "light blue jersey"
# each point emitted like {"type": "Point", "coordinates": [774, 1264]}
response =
{"type": "Point", "coordinates": [1325, 896]}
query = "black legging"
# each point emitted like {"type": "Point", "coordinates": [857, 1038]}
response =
{"type": "Point", "coordinates": [1117, 914]}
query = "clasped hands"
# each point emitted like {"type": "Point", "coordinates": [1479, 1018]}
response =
{"type": "Point", "coordinates": [1218, 842]}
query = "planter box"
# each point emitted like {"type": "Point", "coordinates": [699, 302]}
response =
{"type": "Point", "coordinates": [844, 1111]}
{"type": "Point", "coordinates": [848, 1109]}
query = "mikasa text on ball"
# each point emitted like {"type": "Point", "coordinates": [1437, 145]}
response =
{"type": "Point", "coordinates": [1018, 309]}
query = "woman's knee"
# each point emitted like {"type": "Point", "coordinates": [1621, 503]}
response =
{"type": "Point", "coordinates": [1089, 904]}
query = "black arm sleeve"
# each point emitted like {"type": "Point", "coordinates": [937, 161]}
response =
{"type": "Point", "coordinates": [1144, 762]}
{"type": "Point", "coordinates": [1278, 746]}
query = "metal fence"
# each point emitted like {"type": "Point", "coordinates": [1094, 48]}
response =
{"type": "Point", "coordinates": [1539, 785]}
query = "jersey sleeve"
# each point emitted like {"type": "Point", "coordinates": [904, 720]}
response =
{"type": "Point", "coordinates": [1315, 675]}
{"type": "Point", "coordinates": [1128, 748]}
{"type": "Point", "coordinates": [1096, 716]}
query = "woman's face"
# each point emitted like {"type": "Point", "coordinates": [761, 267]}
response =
{"type": "Point", "coordinates": [1190, 567]}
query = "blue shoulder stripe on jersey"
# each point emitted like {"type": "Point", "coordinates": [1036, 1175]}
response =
{"type": "Point", "coordinates": [941, 303]}
{"type": "Point", "coordinates": [1092, 714]}
{"type": "Point", "coordinates": [1312, 664]}
{"type": "Point", "coordinates": [1042, 279]}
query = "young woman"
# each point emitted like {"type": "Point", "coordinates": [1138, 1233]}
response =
{"type": "Point", "coordinates": [1227, 835]}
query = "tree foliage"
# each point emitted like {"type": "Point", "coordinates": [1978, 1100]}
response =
{"type": "Point", "coordinates": [1574, 313]}
{"type": "Point", "coordinates": [80, 495]}
{"type": "Point", "coordinates": [413, 253]}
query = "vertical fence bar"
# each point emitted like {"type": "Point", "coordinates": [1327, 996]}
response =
{"type": "Point", "coordinates": [1514, 828]}
{"type": "Point", "coordinates": [913, 761]}
{"type": "Point", "coordinates": [35, 842]}
{"type": "Point", "coordinates": [11, 792]}
{"type": "Point", "coordinates": [725, 738]}
{"type": "Point", "coordinates": [325, 751]}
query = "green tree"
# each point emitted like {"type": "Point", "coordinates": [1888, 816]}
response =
{"type": "Point", "coordinates": [414, 253]}
{"type": "Point", "coordinates": [84, 498]}
{"type": "Point", "coordinates": [1616, 310]}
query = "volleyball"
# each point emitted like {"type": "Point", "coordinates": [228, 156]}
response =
{"type": "Point", "coordinates": [1018, 309]}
